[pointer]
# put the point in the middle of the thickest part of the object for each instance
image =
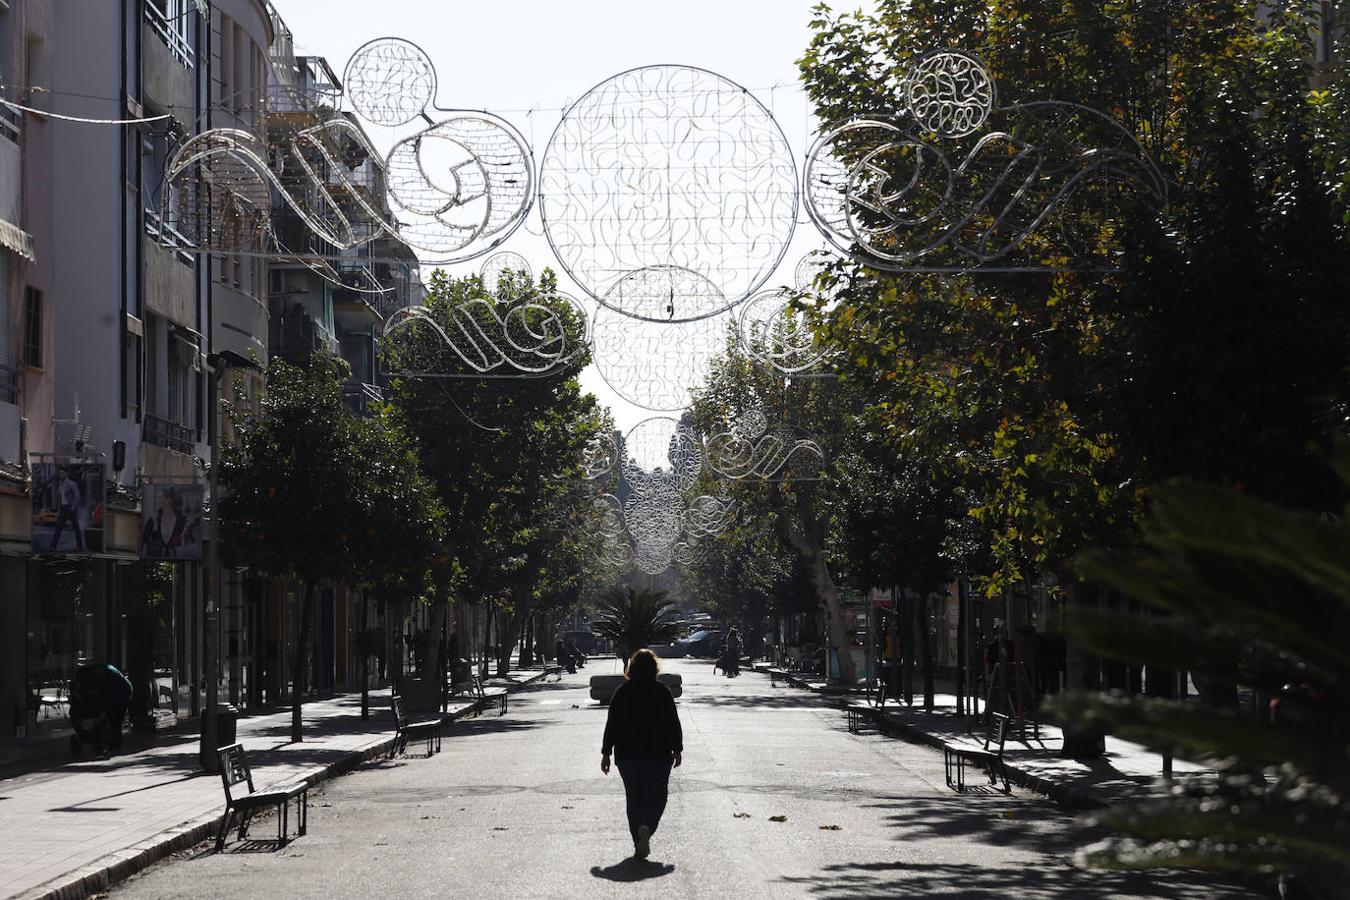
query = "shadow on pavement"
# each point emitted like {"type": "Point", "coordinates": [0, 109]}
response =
{"type": "Point", "coordinates": [632, 870]}
{"type": "Point", "coordinates": [1026, 882]}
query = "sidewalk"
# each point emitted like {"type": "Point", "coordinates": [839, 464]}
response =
{"type": "Point", "coordinates": [1127, 771]}
{"type": "Point", "coordinates": [71, 830]}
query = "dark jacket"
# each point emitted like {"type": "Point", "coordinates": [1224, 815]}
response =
{"type": "Point", "coordinates": [643, 722]}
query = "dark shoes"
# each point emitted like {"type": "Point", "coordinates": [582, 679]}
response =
{"type": "Point", "coordinates": [643, 845]}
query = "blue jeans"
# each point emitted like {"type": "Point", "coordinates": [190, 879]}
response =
{"type": "Point", "coordinates": [645, 783]}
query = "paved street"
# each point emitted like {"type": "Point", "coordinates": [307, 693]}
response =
{"type": "Point", "coordinates": [516, 806]}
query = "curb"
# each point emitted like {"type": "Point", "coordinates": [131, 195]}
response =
{"type": "Point", "coordinates": [1065, 795]}
{"type": "Point", "coordinates": [116, 867]}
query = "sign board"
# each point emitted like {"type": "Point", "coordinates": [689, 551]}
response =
{"type": "Point", "coordinates": [171, 520]}
{"type": "Point", "coordinates": [68, 507]}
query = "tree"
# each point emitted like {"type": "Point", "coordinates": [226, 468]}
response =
{"type": "Point", "coordinates": [292, 503]}
{"type": "Point", "coordinates": [900, 526]}
{"type": "Point", "coordinates": [498, 449]}
{"type": "Point", "coordinates": [1054, 397]}
{"type": "Point", "coordinates": [1246, 592]}
{"type": "Point", "coordinates": [404, 518]}
{"type": "Point", "coordinates": [633, 619]}
{"type": "Point", "coordinates": [797, 501]}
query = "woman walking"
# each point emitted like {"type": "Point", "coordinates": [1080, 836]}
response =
{"type": "Point", "coordinates": [643, 732]}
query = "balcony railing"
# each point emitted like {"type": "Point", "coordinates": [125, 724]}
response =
{"type": "Point", "coordinates": [9, 385]}
{"type": "Point", "coordinates": [170, 30]}
{"type": "Point", "coordinates": [358, 396]}
{"type": "Point", "coordinates": [167, 236]}
{"type": "Point", "coordinates": [11, 126]}
{"type": "Point", "coordinates": [171, 435]}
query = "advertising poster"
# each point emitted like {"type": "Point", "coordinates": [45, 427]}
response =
{"type": "Point", "coordinates": [171, 520]}
{"type": "Point", "coordinates": [68, 506]}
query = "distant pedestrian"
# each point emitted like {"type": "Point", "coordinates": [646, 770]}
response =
{"type": "Point", "coordinates": [563, 656]}
{"type": "Point", "coordinates": [733, 654]}
{"type": "Point", "coordinates": [117, 693]}
{"type": "Point", "coordinates": [643, 732]}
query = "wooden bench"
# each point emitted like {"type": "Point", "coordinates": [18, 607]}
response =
{"type": "Point", "coordinates": [404, 730]}
{"type": "Point", "coordinates": [555, 671]}
{"type": "Point", "coordinates": [234, 771]}
{"type": "Point", "coordinates": [988, 754]}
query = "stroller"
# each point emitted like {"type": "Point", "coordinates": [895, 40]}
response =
{"type": "Point", "coordinates": [88, 714]}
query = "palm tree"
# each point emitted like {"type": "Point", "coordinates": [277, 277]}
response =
{"type": "Point", "coordinates": [634, 619]}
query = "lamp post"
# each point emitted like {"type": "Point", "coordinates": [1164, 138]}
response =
{"type": "Point", "coordinates": [210, 762]}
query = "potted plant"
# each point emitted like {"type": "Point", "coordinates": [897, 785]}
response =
{"type": "Point", "coordinates": [633, 619]}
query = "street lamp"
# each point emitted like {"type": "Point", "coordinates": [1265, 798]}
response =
{"type": "Point", "coordinates": [210, 762]}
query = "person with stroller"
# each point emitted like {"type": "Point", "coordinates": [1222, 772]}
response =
{"type": "Point", "coordinates": [732, 657]}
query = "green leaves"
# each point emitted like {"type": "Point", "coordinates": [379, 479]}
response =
{"type": "Point", "coordinates": [1240, 592]}
{"type": "Point", "coordinates": [634, 619]}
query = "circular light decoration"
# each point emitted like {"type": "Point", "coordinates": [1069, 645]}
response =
{"type": "Point", "coordinates": [809, 268]}
{"type": "Point", "coordinates": [949, 93]}
{"type": "Point", "coordinates": [655, 365]}
{"type": "Point", "coordinates": [499, 263]}
{"type": "Point", "coordinates": [669, 166]}
{"type": "Point", "coordinates": [661, 447]}
{"type": "Point", "coordinates": [665, 294]}
{"type": "Point", "coordinates": [775, 334]}
{"type": "Point", "coordinates": [390, 81]}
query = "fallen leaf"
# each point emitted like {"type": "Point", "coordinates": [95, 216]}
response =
{"type": "Point", "coordinates": [829, 828]}
{"type": "Point", "coordinates": [777, 818]}
{"type": "Point", "coordinates": [740, 815]}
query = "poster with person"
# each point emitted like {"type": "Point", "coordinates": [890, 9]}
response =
{"type": "Point", "coordinates": [171, 520]}
{"type": "Point", "coordinates": [68, 507]}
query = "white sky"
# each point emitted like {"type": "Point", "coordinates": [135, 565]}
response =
{"type": "Point", "coordinates": [527, 60]}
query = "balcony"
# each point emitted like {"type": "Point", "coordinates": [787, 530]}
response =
{"type": "Point", "coordinates": [11, 124]}
{"type": "Point", "coordinates": [170, 435]}
{"type": "Point", "coordinates": [168, 24]}
{"type": "Point", "coordinates": [358, 396]}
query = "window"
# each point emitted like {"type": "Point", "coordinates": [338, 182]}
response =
{"type": "Point", "coordinates": [32, 327]}
{"type": "Point", "coordinates": [5, 337]}
{"type": "Point", "coordinates": [181, 385]}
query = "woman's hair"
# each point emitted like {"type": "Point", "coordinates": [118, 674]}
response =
{"type": "Point", "coordinates": [642, 665]}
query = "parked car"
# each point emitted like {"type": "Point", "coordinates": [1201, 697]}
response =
{"type": "Point", "coordinates": [703, 643]}
{"type": "Point", "coordinates": [668, 651]}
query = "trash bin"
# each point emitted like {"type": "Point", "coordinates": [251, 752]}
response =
{"type": "Point", "coordinates": [226, 725]}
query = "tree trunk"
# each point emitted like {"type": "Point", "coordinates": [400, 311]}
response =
{"type": "Point", "coordinates": [507, 632]}
{"type": "Point", "coordinates": [926, 652]}
{"type": "Point", "coordinates": [301, 668]}
{"type": "Point", "coordinates": [809, 543]}
{"type": "Point", "coordinates": [908, 653]}
{"type": "Point", "coordinates": [365, 656]}
{"type": "Point", "coordinates": [436, 649]}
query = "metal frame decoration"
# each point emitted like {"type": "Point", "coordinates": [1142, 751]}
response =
{"type": "Point", "coordinates": [953, 182]}
{"type": "Point", "coordinates": [498, 263]}
{"type": "Point", "coordinates": [775, 334]}
{"type": "Point", "coordinates": [390, 81]}
{"type": "Point", "coordinates": [462, 185]}
{"type": "Point", "coordinates": [480, 341]}
{"type": "Point", "coordinates": [655, 365]}
{"type": "Point", "coordinates": [660, 464]}
{"type": "Point", "coordinates": [766, 456]}
{"type": "Point", "coordinates": [454, 189]}
{"type": "Point", "coordinates": [669, 166]}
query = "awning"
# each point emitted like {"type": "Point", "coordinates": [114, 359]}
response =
{"type": "Point", "coordinates": [18, 240]}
